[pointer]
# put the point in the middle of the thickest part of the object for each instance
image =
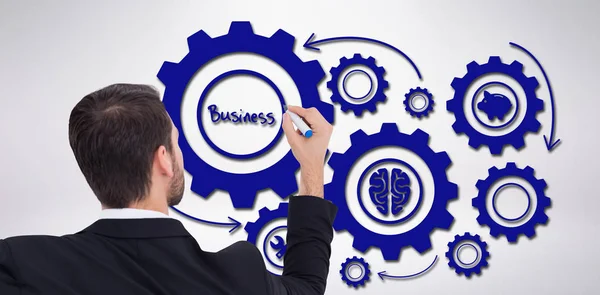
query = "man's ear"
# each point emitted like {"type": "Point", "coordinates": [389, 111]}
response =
{"type": "Point", "coordinates": [163, 161]}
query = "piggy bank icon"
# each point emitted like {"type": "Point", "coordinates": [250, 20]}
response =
{"type": "Point", "coordinates": [495, 105]}
{"type": "Point", "coordinates": [389, 190]}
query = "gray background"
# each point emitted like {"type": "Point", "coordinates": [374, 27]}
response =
{"type": "Point", "coordinates": [53, 53]}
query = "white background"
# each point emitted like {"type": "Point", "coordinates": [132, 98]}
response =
{"type": "Point", "coordinates": [52, 54]}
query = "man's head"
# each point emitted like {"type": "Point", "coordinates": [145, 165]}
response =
{"type": "Point", "coordinates": [126, 146]}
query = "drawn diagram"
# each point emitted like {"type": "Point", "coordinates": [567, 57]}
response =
{"type": "Point", "coordinates": [388, 204]}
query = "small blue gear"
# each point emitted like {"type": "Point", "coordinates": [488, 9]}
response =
{"type": "Point", "coordinates": [438, 216]}
{"type": "Point", "coordinates": [362, 279]}
{"type": "Point", "coordinates": [537, 217]}
{"type": "Point", "coordinates": [528, 124]}
{"type": "Point", "coordinates": [378, 96]}
{"type": "Point", "coordinates": [279, 47]}
{"type": "Point", "coordinates": [428, 102]}
{"type": "Point", "coordinates": [265, 216]}
{"type": "Point", "coordinates": [460, 268]}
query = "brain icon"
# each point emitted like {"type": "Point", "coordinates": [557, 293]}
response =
{"type": "Point", "coordinates": [389, 191]}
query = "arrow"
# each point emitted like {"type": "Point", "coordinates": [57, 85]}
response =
{"type": "Point", "coordinates": [234, 225]}
{"type": "Point", "coordinates": [550, 143]}
{"type": "Point", "coordinates": [309, 44]}
{"type": "Point", "coordinates": [382, 274]}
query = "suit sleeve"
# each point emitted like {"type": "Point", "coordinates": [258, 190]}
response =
{"type": "Point", "coordinates": [8, 280]}
{"type": "Point", "coordinates": [309, 236]}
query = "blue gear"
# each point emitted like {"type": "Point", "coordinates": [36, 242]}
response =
{"type": "Point", "coordinates": [495, 143]}
{"type": "Point", "coordinates": [265, 216]}
{"type": "Point", "coordinates": [242, 188]}
{"type": "Point", "coordinates": [438, 216]}
{"type": "Point", "coordinates": [360, 281]}
{"type": "Point", "coordinates": [483, 255]}
{"type": "Point", "coordinates": [378, 96]}
{"type": "Point", "coordinates": [539, 215]}
{"type": "Point", "coordinates": [426, 94]}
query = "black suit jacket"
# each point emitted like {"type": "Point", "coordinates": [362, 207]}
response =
{"type": "Point", "coordinates": [158, 256]}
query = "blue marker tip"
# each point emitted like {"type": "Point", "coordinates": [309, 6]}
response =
{"type": "Point", "coordinates": [308, 134]}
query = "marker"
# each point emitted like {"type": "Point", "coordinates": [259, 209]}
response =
{"type": "Point", "coordinates": [300, 124]}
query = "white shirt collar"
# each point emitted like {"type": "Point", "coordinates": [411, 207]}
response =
{"type": "Point", "coordinates": [130, 213]}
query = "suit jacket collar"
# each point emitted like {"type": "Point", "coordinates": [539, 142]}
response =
{"type": "Point", "coordinates": [138, 228]}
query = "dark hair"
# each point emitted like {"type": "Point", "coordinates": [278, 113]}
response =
{"type": "Point", "coordinates": [114, 133]}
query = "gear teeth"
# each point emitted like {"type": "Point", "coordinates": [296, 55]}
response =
{"type": "Point", "coordinates": [335, 161]}
{"type": "Point", "coordinates": [199, 188]}
{"type": "Point", "coordinates": [535, 126]}
{"type": "Point", "coordinates": [442, 157]}
{"type": "Point", "coordinates": [480, 184]}
{"type": "Point", "coordinates": [511, 165]}
{"type": "Point", "coordinates": [344, 108]}
{"type": "Point", "coordinates": [331, 84]}
{"type": "Point", "coordinates": [493, 170]}
{"type": "Point", "coordinates": [538, 104]}
{"type": "Point", "coordinates": [422, 245]}
{"type": "Point", "coordinates": [372, 108]}
{"type": "Point", "coordinates": [529, 232]}
{"type": "Point", "coordinates": [384, 85]}
{"type": "Point", "coordinates": [343, 59]}
{"type": "Point", "coordinates": [494, 59]}
{"type": "Point", "coordinates": [263, 211]}
{"type": "Point", "coordinates": [542, 183]}
{"type": "Point", "coordinates": [284, 39]}
{"type": "Point", "coordinates": [420, 136]}
{"type": "Point", "coordinates": [516, 66]}
{"type": "Point", "coordinates": [445, 220]}
{"type": "Point", "coordinates": [390, 252]}
{"type": "Point", "coordinates": [198, 39]}
{"type": "Point", "coordinates": [512, 238]}
{"type": "Point", "coordinates": [380, 70]}
{"type": "Point", "coordinates": [389, 128]}
{"type": "Point", "coordinates": [533, 82]}
{"type": "Point", "coordinates": [528, 170]}
{"type": "Point", "coordinates": [167, 72]}
{"type": "Point", "coordinates": [241, 198]}
{"type": "Point", "coordinates": [358, 113]}
{"type": "Point", "coordinates": [314, 67]}
{"type": "Point", "coordinates": [496, 148]}
{"type": "Point", "coordinates": [472, 66]}
{"type": "Point", "coordinates": [458, 128]}
{"type": "Point", "coordinates": [371, 59]}
{"type": "Point", "coordinates": [474, 142]}
{"type": "Point", "coordinates": [358, 137]}
{"type": "Point", "coordinates": [357, 56]}
{"type": "Point", "coordinates": [456, 82]}
{"type": "Point", "coordinates": [285, 186]}
{"type": "Point", "coordinates": [519, 143]}
{"type": "Point", "coordinates": [360, 245]}
{"type": "Point", "coordinates": [241, 29]}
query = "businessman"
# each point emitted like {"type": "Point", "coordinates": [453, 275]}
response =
{"type": "Point", "coordinates": [127, 148]}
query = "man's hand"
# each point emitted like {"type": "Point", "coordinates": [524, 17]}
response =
{"type": "Point", "coordinates": [310, 152]}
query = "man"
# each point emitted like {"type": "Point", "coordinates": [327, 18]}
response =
{"type": "Point", "coordinates": [127, 148]}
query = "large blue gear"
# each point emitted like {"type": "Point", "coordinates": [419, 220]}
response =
{"type": "Point", "coordinates": [537, 217]}
{"type": "Point", "coordinates": [279, 47]}
{"type": "Point", "coordinates": [429, 103]}
{"type": "Point", "coordinates": [360, 281]}
{"type": "Point", "coordinates": [528, 124]}
{"type": "Point", "coordinates": [378, 96]}
{"type": "Point", "coordinates": [483, 255]}
{"type": "Point", "coordinates": [437, 217]}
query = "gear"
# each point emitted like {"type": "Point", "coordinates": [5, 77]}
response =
{"type": "Point", "coordinates": [528, 124]}
{"type": "Point", "coordinates": [360, 280]}
{"type": "Point", "coordinates": [279, 47]}
{"type": "Point", "coordinates": [480, 261]}
{"type": "Point", "coordinates": [539, 215]}
{"type": "Point", "coordinates": [438, 216]}
{"type": "Point", "coordinates": [369, 105]}
{"type": "Point", "coordinates": [265, 216]}
{"type": "Point", "coordinates": [408, 102]}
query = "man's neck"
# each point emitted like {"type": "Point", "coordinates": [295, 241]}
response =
{"type": "Point", "coordinates": [148, 204]}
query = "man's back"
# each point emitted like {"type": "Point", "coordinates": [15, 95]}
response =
{"type": "Point", "coordinates": [158, 256]}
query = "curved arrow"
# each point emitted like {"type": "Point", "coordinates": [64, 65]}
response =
{"type": "Point", "coordinates": [234, 225]}
{"type": "Point", "coordinates": [309, 44]}
{"type": "Point", "coordinates": [550, 143]}
{"type": "Point", "coordinates": [382, 274]}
